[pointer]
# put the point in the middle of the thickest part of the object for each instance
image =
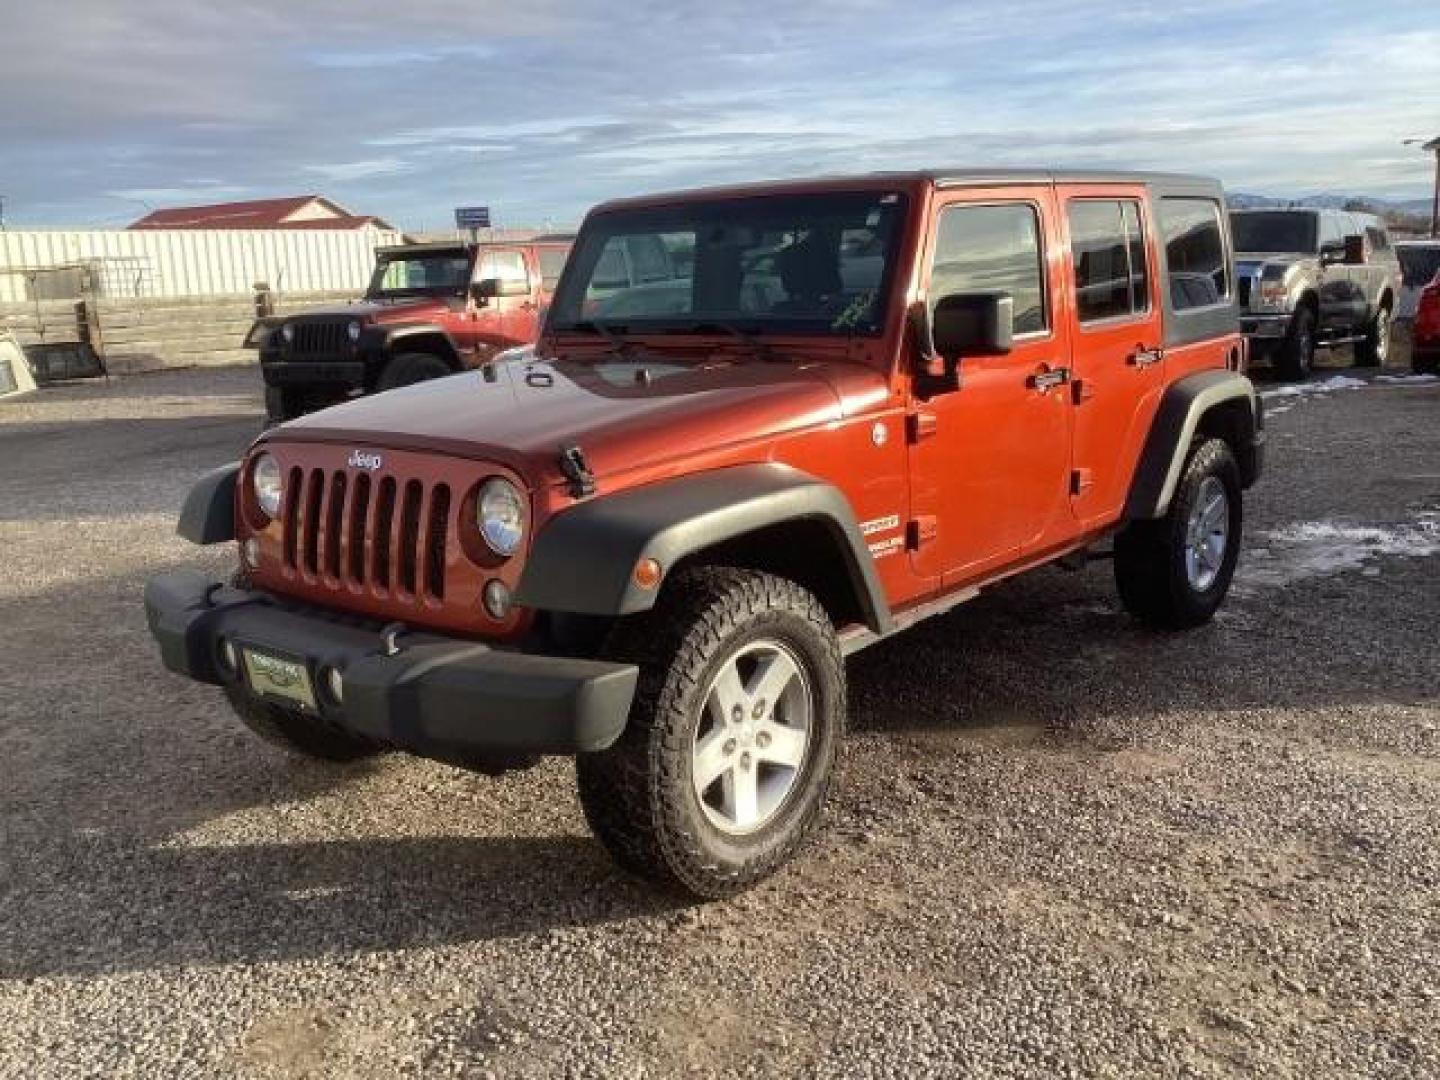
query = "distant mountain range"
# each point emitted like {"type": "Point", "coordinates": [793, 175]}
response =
{"type": "Point", "coordinates": [1242, 201]}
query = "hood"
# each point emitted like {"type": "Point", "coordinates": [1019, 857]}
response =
{"type": "Point", "coordinates": [624, 414]}
{"type": "Point", "coordinates": [369, 310]}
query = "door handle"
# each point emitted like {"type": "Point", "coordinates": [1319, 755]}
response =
{"type": "Point", "coordinates": [1047, 380]}
{"type": "Point", "coordinates": [1143, 357]}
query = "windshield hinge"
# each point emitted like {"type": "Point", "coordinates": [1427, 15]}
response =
{"type": "Point", "coordinates": [577, 471]}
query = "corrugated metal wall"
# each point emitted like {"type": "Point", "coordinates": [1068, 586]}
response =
{"type": "Point", "coordinates": [188, 262]}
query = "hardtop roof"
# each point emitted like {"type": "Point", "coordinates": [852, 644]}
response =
{"type": "Point", "coordinates": [941, 178]}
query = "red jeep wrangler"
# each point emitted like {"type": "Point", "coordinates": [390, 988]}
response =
{"type": "Point", "coordinates": [431, 309]}
{"type": "Point", "coordinates": [649, 541]}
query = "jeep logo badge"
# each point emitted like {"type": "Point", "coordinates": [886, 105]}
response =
{"type": "Point", "coordinates": [368, 462]}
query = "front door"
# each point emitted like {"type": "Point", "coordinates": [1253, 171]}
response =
{"type": "Point", "coordinates": [503, 321]}
{"type": "Point", "coordinates": [989, 460]}
{"type": "Point", "coordinates": [1116, 337]}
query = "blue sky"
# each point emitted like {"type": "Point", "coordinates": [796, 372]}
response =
{"type": "Point", "coordinates": [541, 109]}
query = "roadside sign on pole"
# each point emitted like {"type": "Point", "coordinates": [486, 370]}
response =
{"type": "Point", "coordinates": [472, 217]}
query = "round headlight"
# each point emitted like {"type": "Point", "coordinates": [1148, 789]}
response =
{"type": "Point", "coordinates": [265, 479]}
{"type": "Point", "coordinates": [500, 514]}
{"type": "Point", "coordinates": [353, 330]}
{"type": "Point", "coordinates": [287, 333]}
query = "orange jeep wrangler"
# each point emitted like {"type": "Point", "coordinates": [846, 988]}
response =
{"type": "Point", "coordinates": [806, 416]}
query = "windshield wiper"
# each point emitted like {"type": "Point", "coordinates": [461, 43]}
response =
{"type": "Point", "coordinates": [759, 349]}
{"type": "Point", "coordinates": [621, 345]}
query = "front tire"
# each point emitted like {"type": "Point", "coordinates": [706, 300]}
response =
{"type": "Point", "coordinates": [1374, 350]}
{"type": "Point", "coordinates": [1173, 573]}
{"type": "Point", "coordinates": [300, 733]}
{"type": "Point", "coordinates": [731, 745]}
{"type": "Point", "coordinates": [406, 369]}
{"type": "Point", "coordinates": [1295, 359]}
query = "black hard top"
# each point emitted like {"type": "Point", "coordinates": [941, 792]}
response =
{"type": "Point", "coordinates": [1169, 183]}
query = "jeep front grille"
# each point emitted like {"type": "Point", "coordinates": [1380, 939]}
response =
{"type": "Point", "coordinates": [318, 338]}
{"type": "Point", "coordinates": [383, 533]}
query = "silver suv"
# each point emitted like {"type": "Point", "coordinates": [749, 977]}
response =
{"type": "Point", "coordinates": [1312, 278]}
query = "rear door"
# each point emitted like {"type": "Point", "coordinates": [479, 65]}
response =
{"type": "Point", "coordinates": [1116, 339]}
{"type": "Point", "coordinates": [989, 460]}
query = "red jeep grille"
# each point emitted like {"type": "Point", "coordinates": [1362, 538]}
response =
{"type": "Point", "coordinates": [386, 534]}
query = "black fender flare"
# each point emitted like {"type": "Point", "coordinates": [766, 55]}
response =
{"type": "Point", "coordinates": [395, 338]}
{"type": "Point", "coordinates": [208, 515]}
{"type": "Point", "coordinates": [583, 559]}
{"type": "Point", "coordinates": [1181, 412]}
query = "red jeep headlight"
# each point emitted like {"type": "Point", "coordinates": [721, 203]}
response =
{"type": "Point", "coordinates": [267, 485]}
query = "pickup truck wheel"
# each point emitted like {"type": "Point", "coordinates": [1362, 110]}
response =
{"type": "Point", "coordinates": [1173, 573]}
{"type": "Point", "coordinates": [405, 369]}
{"type": "Point", "coordinates": [298, 732]}
{"type": "Point", "coordinates": [1296, 356]}
{"type": "Point", "coordinates": [728, 757]}
{"type": "Point", "coordinates": [1374, 350]}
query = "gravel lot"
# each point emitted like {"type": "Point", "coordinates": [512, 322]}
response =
{"type": "Point", "coordinates": [1062, 847]}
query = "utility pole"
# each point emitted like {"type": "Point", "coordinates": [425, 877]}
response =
{"type": "Point", "coordinates": [1432, 147]}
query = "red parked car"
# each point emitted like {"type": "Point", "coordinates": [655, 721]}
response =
{"type": "Point", "coordinates": [430, 310]}
{"type": "Point", "coordinates": [1425, 335]}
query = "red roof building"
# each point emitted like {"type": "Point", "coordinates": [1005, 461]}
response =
{"type": "Point", "coordinates": [297, 212]}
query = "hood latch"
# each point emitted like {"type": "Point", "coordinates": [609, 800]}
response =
{"type": "Point", "coordinates": [577, 471]}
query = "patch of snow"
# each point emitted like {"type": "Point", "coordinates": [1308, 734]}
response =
{"type": "Point", "coordinates": [1325, 386]}
{"type": "Point", "coordinates": [1310, 549]}
{"type": "Point", "coordinates": [1407, 380]}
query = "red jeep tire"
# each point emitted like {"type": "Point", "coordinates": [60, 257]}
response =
{"type": "Point", "coordinates": [1174, 572]}
{"type": "Point", "coordinates": [731, 746]}
{"type": "Point", "coordinates": [406, 369]}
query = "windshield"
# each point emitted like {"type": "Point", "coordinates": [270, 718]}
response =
{"type": "Point", "coordinates": [1274, 231]}
{"type": "Point", "coordinates": [404, 275]}
{"type": "Point", "coordinates": [812, 264]}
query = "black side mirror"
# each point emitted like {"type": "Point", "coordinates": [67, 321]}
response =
{"type": "Point", "coordinates": [487, 288]}
{"type": "Point", "coordinates": [973, 324]}
{"type": "Point", "coordinates": [963, 324]}
{"type": "Point", "coordinates": [1355, 250]}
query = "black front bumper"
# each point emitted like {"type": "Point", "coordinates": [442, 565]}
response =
{"type": "Point", "coordinates": [435, 696]}
{"type": "Point", "coordinates": [338, 373]}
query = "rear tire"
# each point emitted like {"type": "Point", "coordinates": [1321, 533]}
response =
{"type": "Point", "coordinates": [1295, 358]}
{"type": "Point", "coordinates": [406, 369]}
{"type": "Point", "coordinates": [300, 733]}
{"type": "Point", "coordinates": [728, 756]}
{"type": "Point", "coordinates": [1375, 349]}
{"type": "Point", "coordinates": [1173, 573]}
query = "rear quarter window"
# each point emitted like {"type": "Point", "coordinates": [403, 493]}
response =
{"type": "Point", "coordinates": [1194, 253]}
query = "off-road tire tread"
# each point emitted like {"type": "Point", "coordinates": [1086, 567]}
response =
{"type": "Point", "coordinates": [1366, 351]}
{"type": "Point", "coordinates": [627, 790]}
{"type": "Point", "coordinates": [407, 369]}
{"type": "Point", "coordinates": [1152, 587]}
{"type": "Point", "coordinates": [1289, 364]}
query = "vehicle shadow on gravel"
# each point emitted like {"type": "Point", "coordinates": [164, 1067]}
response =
{"type": "Point", "coordinates": [116, 905]}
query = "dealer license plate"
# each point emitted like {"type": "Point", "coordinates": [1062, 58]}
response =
{"type": "Point", "coordinates": [276, 677]}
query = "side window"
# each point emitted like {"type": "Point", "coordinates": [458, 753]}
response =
{"type": "Point", "coordinates": [1112, 278]}
{"type": "Point", "coordinates": [1331, 232]}
{"type": "Point", "coordinates": [552, 262]}
{"type": "Point", "coordinates": [992, 249]}
{"type": "Point", "coordinates": [501, 264]}
{"type": "Point", "coordinates": [1194, 253]}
